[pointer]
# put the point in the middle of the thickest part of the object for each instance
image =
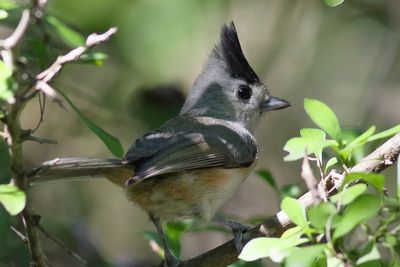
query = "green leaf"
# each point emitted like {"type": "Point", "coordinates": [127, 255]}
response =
{"type": "Point", "coordinates": [241, 263]}
{"type": "Point", "coordinates": [8, 4]}
{"type": "Point", "coordinates": [374, 179]}
{"type": "Point", "coordinates": [320, 262]}
{"type": "Point", "coordinates": [371, 255]}
{"type": "Point", "coordinates": [3, 14]}
{"type": "Point", "coordinates": [291, 190]}
{"type": "Point", "coordinates": [267, 176]}
{"type": "Point", "coordinates": [359, 141]}
{"type": "Point", "coordinates": [68, 35]}
{"type": "Point", "coordinates": [362, 139]}
{"type": "Point", "coordinates": [298, 147]}
{"type": "Point", "coordinates": [112, 143]}
{"type": "Point", "coordinates": [12, 198]}
{"type": "Point", "coordinates": [95, 58]}
{"type": "Point", "coordinates": [324, 117]}
{"type": "Point", "coordinates": [348, 194]}
{"type": "Point", "coordinates": [355, 152]}
{"type": "Point", "coordinates": [295, 210]}
{"type": "Point", "coordinates": [360, 210]}
{"type": "Point", "coordinates": [391, 240]}
{"type": "Point", "coordinates": [5, 74]}
{"type": "Point", "coordinates": [275, 248]}
{"type": "Point", "coordinates": [305, 256]}
{"type": "Point", "coordinates": [315, 134]}
{"type": "Point", "coordinates": [330, 163]}
{"type": "Point", "coordinates": [388, 133]}
{"type": "Point", "coordinates": [174, 232]}
{"type": "Point", "coordinates": [334, 262]}
{"type": "Point", "coordinates": [173, 243]}
{"type": "Point", "coordinates": [391, 202]}
{"type": "Point", "coordinates": [333, 3]}
{"type": "Point", "coordinates": [319, 214]}
{"type": "Point", "coordinates": [294, 231]}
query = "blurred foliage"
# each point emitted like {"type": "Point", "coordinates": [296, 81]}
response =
{"type": "Point", "coordinates": [338, 231]}
{"type": "Point", "coordinates": [13, 251]}
{"type": "Point", "coordinates": [312, 141]}
{"type": "Point", "coordinates": [112, 143]}
{"type": "Point", "coordinates": [288, 190]}
{"type": "Point", "coordinates": [157, 104]}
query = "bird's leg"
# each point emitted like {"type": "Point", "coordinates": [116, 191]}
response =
{"type": "Point", "coordinates": [237, 229]}
{"type": "Point", "coordinates": [169, 259]}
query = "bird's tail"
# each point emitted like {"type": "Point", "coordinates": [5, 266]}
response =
{"type": "Point", "coordinates": [67, 169]}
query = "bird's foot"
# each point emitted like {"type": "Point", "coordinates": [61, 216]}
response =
{"type": "Point", "coordinates": [238, 232]}
{"type": "Point", "coordinates": [237, 228]}
{"type": "Point", "coordinates": [170, 261]}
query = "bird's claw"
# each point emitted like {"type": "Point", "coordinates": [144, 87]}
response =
{"type": "Point", "coordinates": [171, 261]}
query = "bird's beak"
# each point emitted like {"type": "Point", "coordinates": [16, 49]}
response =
{"type": "Point", "coordinates": [273, 103]}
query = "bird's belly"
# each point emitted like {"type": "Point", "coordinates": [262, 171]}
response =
{"type": "Point", "coordinates": [191, 194]}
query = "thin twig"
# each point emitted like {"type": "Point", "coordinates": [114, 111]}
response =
{"type": "Point", "coordinates": [26, 135]}
{"type": "Point", "coordinates": [319, 165]}
{"type": "Point", "coordinates": [19, 234]}
{"type": "Point", "coordinates": [92, 40]}
{"type": "Point", "coordinates": [34, 245]}
{"type": "Point", "coordinates": [10, 42]}
{"type": "Point", "coordinates": [61, 245]}
{"type": "Point", "coordinates": [309, 178]}
{"type": "Point", "coordinates": [41, 140]}
{"type": "Point", "coordinates": [42, 105]}
{"type": "Point", "coordinates": [25, 240]}
{"type": "Point", "coordinates": [48, 75]}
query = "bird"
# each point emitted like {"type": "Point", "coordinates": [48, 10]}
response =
{"type": "Point", "coordinates": [195, 162]}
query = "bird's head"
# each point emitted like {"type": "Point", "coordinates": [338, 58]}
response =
{"type": "Point", "coordinates": [228, 88]}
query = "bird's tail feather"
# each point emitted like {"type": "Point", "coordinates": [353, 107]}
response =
{"type": "Point", "coordinates": [67, 169]}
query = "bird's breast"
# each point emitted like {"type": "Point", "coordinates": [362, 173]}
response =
{"type": "Point", "coordinates": [190, 194]}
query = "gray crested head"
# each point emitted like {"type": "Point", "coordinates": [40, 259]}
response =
{"type": "Point", "coordinates": [230, 52]}
{"type": "Point", "coordinates": [228, 88]}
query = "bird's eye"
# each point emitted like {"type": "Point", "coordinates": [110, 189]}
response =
{"type": "Point", "coordinates": [244, 92]}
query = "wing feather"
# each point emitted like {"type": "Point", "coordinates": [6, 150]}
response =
{"type": "Point", "coordinates": [187, 145]}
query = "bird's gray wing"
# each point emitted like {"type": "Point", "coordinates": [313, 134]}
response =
{"type": "Point", "coordinates": [192, 146]}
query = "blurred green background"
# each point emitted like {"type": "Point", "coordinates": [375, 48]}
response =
{"type": "Point", "coordinates": [347, 56]}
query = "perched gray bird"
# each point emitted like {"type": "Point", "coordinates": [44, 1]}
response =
{"type": "Point", "coordinates": [194, 163]}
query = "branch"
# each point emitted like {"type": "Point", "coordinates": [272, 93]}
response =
{"type": "Point", "coordinates": [61, 245]}
{"type": "Point", "coordinates": [47, 75]}
{"type": "Point", "coordinates": [19, 234]}
{"type": "Point", "coordinates": [226, 254]}
{"type": "Point", "coordinates": [26, 135]}
{"type": "Point", "coordinates": [16, 36]}
{"type": "Point", "coordinates": [41, 140]}
{"type": "Point", "coordinates": [25, 240]}
{"type": "Point", "coordinates": [13, 132]}
{"type": "Point", "coordinates": [309, 179]}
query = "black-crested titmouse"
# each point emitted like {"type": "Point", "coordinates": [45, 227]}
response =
{"type": "Point", "coordinates": [195, 162]}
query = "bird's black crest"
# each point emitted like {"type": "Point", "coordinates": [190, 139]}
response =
{"type": "Point", "coordinates": [230, 52]}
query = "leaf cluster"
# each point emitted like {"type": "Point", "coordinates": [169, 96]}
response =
{"type": "Point", "coordinates": [358, 226]}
